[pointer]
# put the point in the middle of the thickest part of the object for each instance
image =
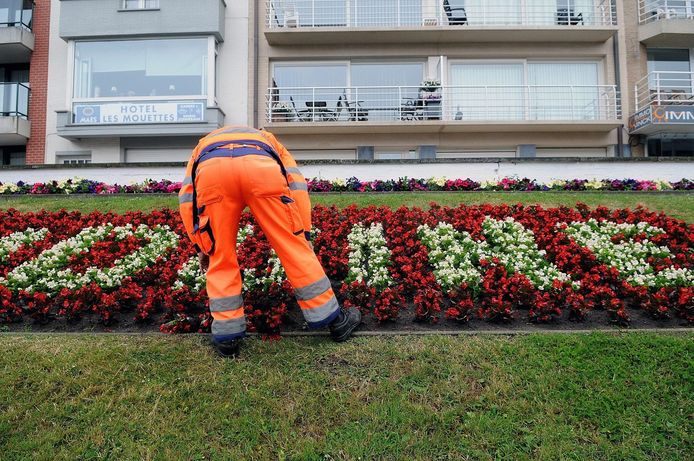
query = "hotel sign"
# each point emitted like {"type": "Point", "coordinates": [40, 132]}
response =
{"type": "Point", "coordinates": [661, 115]}
{"type": "Point", "coordinates": [137, 113]}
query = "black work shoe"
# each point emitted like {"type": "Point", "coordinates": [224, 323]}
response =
{"type": "Point", "coordinates": [345, 323]}
{"type": "Point", "coordinates": [228, 349]}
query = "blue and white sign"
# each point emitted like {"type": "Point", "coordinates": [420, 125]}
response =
{"type": "Point", "coordinates": [128, 113]}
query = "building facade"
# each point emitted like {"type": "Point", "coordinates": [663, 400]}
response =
{"type": "Point", "coordinates": [24, 29]}
{"type": "Point", "coordinates": [137, 81]}
{"type": "Point", "coordinates": [399, 79]}
{"type": "Point", "coordinates": [661, 75]}
{"type": "Point", "coordinates": [141, 80]}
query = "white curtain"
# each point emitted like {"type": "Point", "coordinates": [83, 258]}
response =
{"type": "Point", "coordinates": [564, 91]}
{"type": "Point", "coordinates": [487, 91]}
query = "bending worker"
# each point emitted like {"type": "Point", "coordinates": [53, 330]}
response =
{"type": "Point", "coordinates": [232, 168]}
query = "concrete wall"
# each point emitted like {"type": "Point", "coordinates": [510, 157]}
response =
{"type": "Point", "coordinates": [484, 170]}
{"type": "Point", "coordinates": [98, 18]}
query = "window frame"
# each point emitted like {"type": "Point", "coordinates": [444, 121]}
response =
{"type": "Point", "coordinates": [123, 6]}
{"type": "Point", "coordinates": [210, 84]}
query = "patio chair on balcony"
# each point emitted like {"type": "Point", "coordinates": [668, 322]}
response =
{"type": "Point", "coordinates": [566, 17]}
{"type": "Point", "coordinates": [319, 110]}
{"type": "Point", "coordinates": [356, 112]}
{"type": "Point", "coordinates": [412, 109]}
{"type": "Point", "coordinates": [456, 16]}
{"type": "Point", "coordinates": [677, 97]}
{"type": "Point", "coordinates": [300, 115]}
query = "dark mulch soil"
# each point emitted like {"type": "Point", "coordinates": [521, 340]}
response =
{"type": "Point", "coordinates": [596, 320]}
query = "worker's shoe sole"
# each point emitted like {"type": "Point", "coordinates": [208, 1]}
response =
{"type": "Point", "coordinates": [227, 349]}
{"type": "Point", "coordinates": [342, 328]}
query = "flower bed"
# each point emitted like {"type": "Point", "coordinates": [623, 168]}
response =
{"type": "Point", "coordinates": [491, 263]}
{"type": "Point", "coordinates": [315, 185]}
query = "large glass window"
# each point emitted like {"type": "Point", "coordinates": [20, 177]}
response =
{"type": "Point", "coordinates": [383, 88]}
{"type": "Point", "coordinates": [563, 91]}
{"type": "Point", "coordinates": [309, 87]}
{"type": "Point", "coordinates": [670, 74]}
{"type": "Point", "coordinates": [517, 91]}
{"type": "Point", "coordinates": [16, 13]}
{"type": "Point", "coordinates": [487, 91]}
{"type": "Point", "coordinates": [392, 13]}
{"type": "Point", "coordinates": [343, 90]}
{"type": "Point", "coordinates": [140, 4]}
{"type": "Point", "coordinates": [141, 68]}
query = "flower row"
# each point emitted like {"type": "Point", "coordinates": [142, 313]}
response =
{"type": "Point", "coordinates": [497, 263]}
{"type": "Point", "coordinates": [85, 186]}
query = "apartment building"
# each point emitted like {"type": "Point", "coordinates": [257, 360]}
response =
{"type": "Point", "coordinates": [139, 81]}
{"type": "Point", "coordinates": [398, 79]}
{"type": "Point", "coordinates": [142, 80]}
{"type": "Point", "coordinates": [660, 69]}
{"type": "Point", "coordinates": [23, 72]}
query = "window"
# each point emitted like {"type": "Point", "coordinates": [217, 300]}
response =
{"type": "Point", "coordinates": [670, 73]}
{"type": "Point", "coordinates": [140, 4]}
{"type": "Point", "coordinates": [16, 13]}
{"type": "Point", "coordinates": [357, 90]}
{"type": "Point", "coordinates": [392, 13]}
{"type": "Point", "coordinates": [525, 91]}
{"type": "Point", "coordinates": [76, 161]}
{"type": "Point", "coordinates": [141, 68]}
{"type": "Point", "coordinates": [671, 147]}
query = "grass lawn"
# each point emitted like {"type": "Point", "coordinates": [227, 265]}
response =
{"type": "Point", "coordinates": [602, 396]}
{"type": "Point", "coordinates": [679, 205]}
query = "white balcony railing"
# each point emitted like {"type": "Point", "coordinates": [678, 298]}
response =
{"type": "Point", "coordinates": [655, 10]}
{"type": "Point", "coordinates": [451, 103]}
{"type": "Point", "coordinates": [665, 88]}
{"type": "Point", "coordinates": [282, 14]}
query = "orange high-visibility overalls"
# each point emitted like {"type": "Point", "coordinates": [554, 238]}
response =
{"type": "Point", "coordinates": [232, 168]}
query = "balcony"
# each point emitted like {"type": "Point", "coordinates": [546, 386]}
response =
{"type": "Point", "coordinates": [664, 104]}
{"type": "Point", "coordinates": [14, 114]}
{"type": "Point", "coordinates": [435, 21]}
{"type": "Point", "coordinates": [399, 109]}
{"type": "Point", "coordinates": [138, 117]}
{"type": "Point", "coordinates": [16, 36]}
{"type": "Point", "coordinates": [666, 23]}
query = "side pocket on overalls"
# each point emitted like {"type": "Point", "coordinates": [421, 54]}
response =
{"type": "Point", "coordinates": [204, 234]}
{"type": "Point", "coordinates": [296, 225]}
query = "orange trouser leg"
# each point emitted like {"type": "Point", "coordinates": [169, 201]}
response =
{"type": "Point", "coordinates": [220, 194]}
{"type": "Point", "coordinates": [266, 193]}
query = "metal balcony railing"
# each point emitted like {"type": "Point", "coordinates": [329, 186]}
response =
{"type": "Point", "coordinates": [655, 10]}
{"type": "Point", "coordinates": [14, 100]}
{"type": "Point", "coordinates": [431, 13]}
{"type": "Point", "coordinates": [665, 88]}
{"type": "Point", "coordinates": [16, 13]}
{"type": "Point", "coordinates": [450, 103]}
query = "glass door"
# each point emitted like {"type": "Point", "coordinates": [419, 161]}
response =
{"type": "Point", "coordinates": [670, 75]}
{"type": "Point", "coordinates": [487, 91]}
{"type": "Point", "coordinates": [564, 91]}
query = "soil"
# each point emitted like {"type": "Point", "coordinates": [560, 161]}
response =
{"type": "Point", "coordinates": [596, 320]}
